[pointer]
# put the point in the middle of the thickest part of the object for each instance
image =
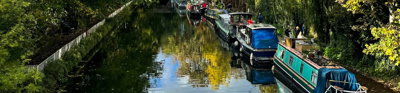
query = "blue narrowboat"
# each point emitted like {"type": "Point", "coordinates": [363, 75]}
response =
{"type": "Point", "coordinates": [314, 73]}
{"type": "Point", "coordinates": [258, 42]}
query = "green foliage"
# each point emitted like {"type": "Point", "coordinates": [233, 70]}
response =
{"type": "Point", "coordinates": [28, 27]}
{"type": "Point", "coordinates": [388, 45]}
{"type": "Point", "coordinates": [18, 78]}
{"type": "Point", "coordinates": [386, 34]}
{"type": "Point", "coordinates": [57, 72]}
{"type": "Point", "coordinates": [15, 42]}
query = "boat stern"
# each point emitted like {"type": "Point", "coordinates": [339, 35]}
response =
{"type": "Point", "coordinates": [263, 57]}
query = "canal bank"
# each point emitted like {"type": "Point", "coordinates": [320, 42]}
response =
{"type": "Point", "coordinates": [83, 38]}
{"type": "Point", "coordinates": [59, 71]}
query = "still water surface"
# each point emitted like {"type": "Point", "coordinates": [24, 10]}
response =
{"type": "Point", "coordinates": [165, 53]}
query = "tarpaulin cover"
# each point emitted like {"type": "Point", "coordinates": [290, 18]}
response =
{"type": "Point", "coordinates": [264, 38]}
{"type": "Point", "coordinates": [325, 74]}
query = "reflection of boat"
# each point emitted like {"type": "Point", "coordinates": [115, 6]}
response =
{"type": "Point", "coordinates": [313, 74]}
{"type": "Point", "coordinates": [282, 88]}
{"type": "Point", "coordinates": [258, 42]}
{"type": "Point", "coordinates": [180, 6]}
{"type": "Point", "coordinates": [259, 75]}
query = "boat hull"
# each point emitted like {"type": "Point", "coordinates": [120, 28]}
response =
{"type": "Point", "coordinates": [260, 56]}
{"type": "Point", "coordinates": [287, 81]}
{"type": "Point", "coordinates": [224, 33]}
{"type": "Point", "coordinates": [297, 79]}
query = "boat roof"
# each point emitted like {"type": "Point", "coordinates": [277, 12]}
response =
{"type": "Point", "coordinates": [219, 11]}
{"type": "Point", "coordinates": [260, 26]}
{"type": "Point", "coordinates": [225, 17]}
{"type": "Point", "coordinates": [240, 13]}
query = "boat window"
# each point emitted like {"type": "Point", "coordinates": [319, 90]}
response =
{"type": "Point", "coordinates": [282, 54]}
{"type": "Point", "coordinates": [290, 60]}
{"type": "Point", "coordinates": [314, 77]}
{"type": "Point", "coordinates": [301, 68]}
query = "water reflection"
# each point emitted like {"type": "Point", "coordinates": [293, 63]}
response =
{"type": "Point", "coordinates": [259, 75]}
{"type": "Point", "coordinates": [125, 60]}
{"type": "Point", "coordinates": [151, 52]}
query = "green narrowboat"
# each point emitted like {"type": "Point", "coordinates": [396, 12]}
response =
{"type": "Point", "coordinates": [313, 73]}
{"type": "Point", "coordinates": [223, 27]}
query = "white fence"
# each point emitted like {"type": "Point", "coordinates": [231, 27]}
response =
{"type": "Point", "coordinates": [59, 53]}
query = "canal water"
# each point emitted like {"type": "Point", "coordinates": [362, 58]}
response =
{"type": "Point", "coordinates": [168, 53]}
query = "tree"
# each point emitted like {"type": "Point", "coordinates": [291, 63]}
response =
{"type": "Point", "coordinates": [15, 42]}
{"type": "Point", "coordinates": [385, 31]}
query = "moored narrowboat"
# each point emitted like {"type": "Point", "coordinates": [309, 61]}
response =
{"type": "Point", "coordinates": [239, 20]}
{"type": "Point", "coordinates": [196, 6]}
{"type": "Point", "coordinates": [312, 72]}
{"type": "Point", "coordinates": [223, 27]}
{"type": "Point", "coordinates": [180, 7]}
{"type": "Point", "coordinates": [212, 14]}
{"type": "Point", "coordinates": [258, 42]}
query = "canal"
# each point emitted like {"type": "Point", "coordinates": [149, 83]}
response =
{"type": "Point", "coordinates": [168, 53]}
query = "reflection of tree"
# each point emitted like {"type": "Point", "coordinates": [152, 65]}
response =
{"type": "Point", "coordinates": [200, 56]}
{"type": "Point", "coordinates": [126, 58]}
{"type": "Point", "coordinates": [269, 88]}
{"type": "Point", "coordinates": [237, 73]}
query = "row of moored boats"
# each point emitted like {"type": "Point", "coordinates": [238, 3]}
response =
{"type": "Point", "coordinates": [259, 43]}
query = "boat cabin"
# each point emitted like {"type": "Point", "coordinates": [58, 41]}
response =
{"type": "Point", "coordinates": [240, 18]}
{"type": "Point", "coordinates": [223, 28]}
{"type": "Point", "coordinates": [259, 36]}
{"type": "Point", "coordinates": [213, 13]}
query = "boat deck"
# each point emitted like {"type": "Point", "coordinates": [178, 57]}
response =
{"type": "Point", "coordinates": [308, 51]}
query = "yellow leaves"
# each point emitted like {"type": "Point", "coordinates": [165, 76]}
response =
{"type": "Point", "coordinates": [352, 5]}
{"type": "Point", "coordinates": [219, 68]}
{"type": "Point", "coordinates": [201, 48]}
{"type": "Point", "coordinates": [388, 45]}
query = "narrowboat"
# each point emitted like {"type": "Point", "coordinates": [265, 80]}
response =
{"type": "Point", "coordinates": [223, 28]}
{"type": "Point", "coordinates": [212, 14]}
{"type": "Point", "coordinates": [194, 19]}
{"type": "Point", "coordinates": [180, 7]}
{"type": "Point", "coordinates": [239, 20]}
{"type": "Point", "coordinates": [259, 75]}
{"type": "Point", "coordinates": [258, 42]}
{"type": "Point", "coordinates": [312, 72]}
{"type": "Point", "coordinates": [196, 6]}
